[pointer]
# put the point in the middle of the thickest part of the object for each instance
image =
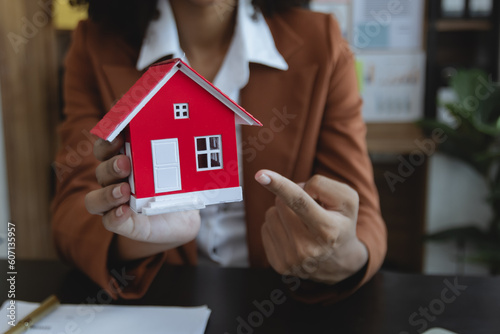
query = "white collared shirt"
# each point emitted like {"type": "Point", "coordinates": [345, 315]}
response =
{"type": "Point", "coordinates": [222, 237]}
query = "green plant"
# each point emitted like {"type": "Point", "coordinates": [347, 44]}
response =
{"type": "Point", "coordinates": [475, 140]}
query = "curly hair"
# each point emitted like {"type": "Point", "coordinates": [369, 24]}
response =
{"type": "Point", "coordinates": [131, 17]}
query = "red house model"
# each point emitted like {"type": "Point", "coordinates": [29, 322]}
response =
{"type": "Point", "coordinates": [181, 140]}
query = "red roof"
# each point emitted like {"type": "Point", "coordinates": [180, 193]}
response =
{"type": "Point", "coordinates": [144, 89]}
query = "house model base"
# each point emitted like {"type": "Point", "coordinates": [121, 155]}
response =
{"type": "Point", "coordinates": [181, 202]}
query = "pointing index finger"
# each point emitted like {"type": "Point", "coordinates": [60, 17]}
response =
{"type": "Point", "coordinates": [291, 193]}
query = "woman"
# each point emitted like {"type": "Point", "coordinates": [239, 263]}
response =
{"type": "Point", "coordinates": [312, 214]}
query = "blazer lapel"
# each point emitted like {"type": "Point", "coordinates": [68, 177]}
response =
{"type": "Point", "coordinates": [286, 40]}
{"type": "Point", "coordinates": [281, 100]}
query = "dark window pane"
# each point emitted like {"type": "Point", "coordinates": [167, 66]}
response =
{"type": "Point", "coordinates": [177, 114]}
{"type": "Point", "coordinates": [185, 114]}
{"type": "Point", "coordinates": [214, 143]}
{"type": "Point", "coordinates": [201, 144]}
{"type": "Point", "coordinates": [202, 161]}
{"type": "Point", "coordinates": [215, 160]}
{"type": "Point", "coordinates": [177, 107]}
{"type": "Point", "coordinates": [184, 107]}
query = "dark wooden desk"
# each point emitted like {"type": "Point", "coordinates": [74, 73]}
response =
{"type": "Point", "coordinates": [390, 303]}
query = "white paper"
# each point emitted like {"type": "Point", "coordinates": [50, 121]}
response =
{"type": "Point", "coordinates": [392, 86]}
{"type": "Point", "coordinates": [96, 319]}
{"type": "Point", "coordinates": [388, 24]}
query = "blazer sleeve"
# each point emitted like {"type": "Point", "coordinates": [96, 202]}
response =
{"type": "Point", "coordinates": [80, 237]}
{"type": "Point", "coordinates": [342, 155]}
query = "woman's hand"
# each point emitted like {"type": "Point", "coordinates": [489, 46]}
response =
{"type": "Point", "coordinates": [311, 230]}
{"type": "Point", "coordinates": [139, 235]}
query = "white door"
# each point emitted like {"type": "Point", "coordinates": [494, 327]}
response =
{"type": "Point", "coordinates": [166, 165]}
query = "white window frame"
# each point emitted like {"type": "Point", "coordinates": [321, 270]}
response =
{"type": "Point", "coordinates": [181, 108]}
{"type": "Point", "coordinates": [208, 152]}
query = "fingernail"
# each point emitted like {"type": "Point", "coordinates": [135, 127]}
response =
{"type": "Point", "coordinates": [119, 212]}
{"type": "Point", "coordinates": [117, 192]}
{"type": "Point", "coordinates": [264, 179]}
{"type": "Point", "coordinates": [115, 166]}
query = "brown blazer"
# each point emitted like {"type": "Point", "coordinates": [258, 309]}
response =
{"type": "Point", "coordinates": [312, 125]}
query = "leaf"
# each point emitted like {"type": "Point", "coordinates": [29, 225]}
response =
{"type": "Point", "coordinates": [478, 102]}
{"type": "Point", "coordinates": [488, 114]}
{"type": "Point", "coordinates": [464, 83]}
{"type": "Point", "coordinates": [464, 120]}
{"type": "Point", "coordinates": [492, 130]}
{"type": "Point", "coordinates": [464, 142]}
{"type": "Point", "coordinates": [450, 134]}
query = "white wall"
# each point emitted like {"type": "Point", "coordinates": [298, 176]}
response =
{"type": "Point", "coordinates": [456, 197]}
{"type": "Point", "coordinates": [4, 200]}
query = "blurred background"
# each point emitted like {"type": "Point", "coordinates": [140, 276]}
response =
{"type": "Point", "coordinates": [427, 71]}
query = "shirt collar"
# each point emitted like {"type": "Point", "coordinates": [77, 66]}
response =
{"type": "Point", "coordinates": [252, 35]}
